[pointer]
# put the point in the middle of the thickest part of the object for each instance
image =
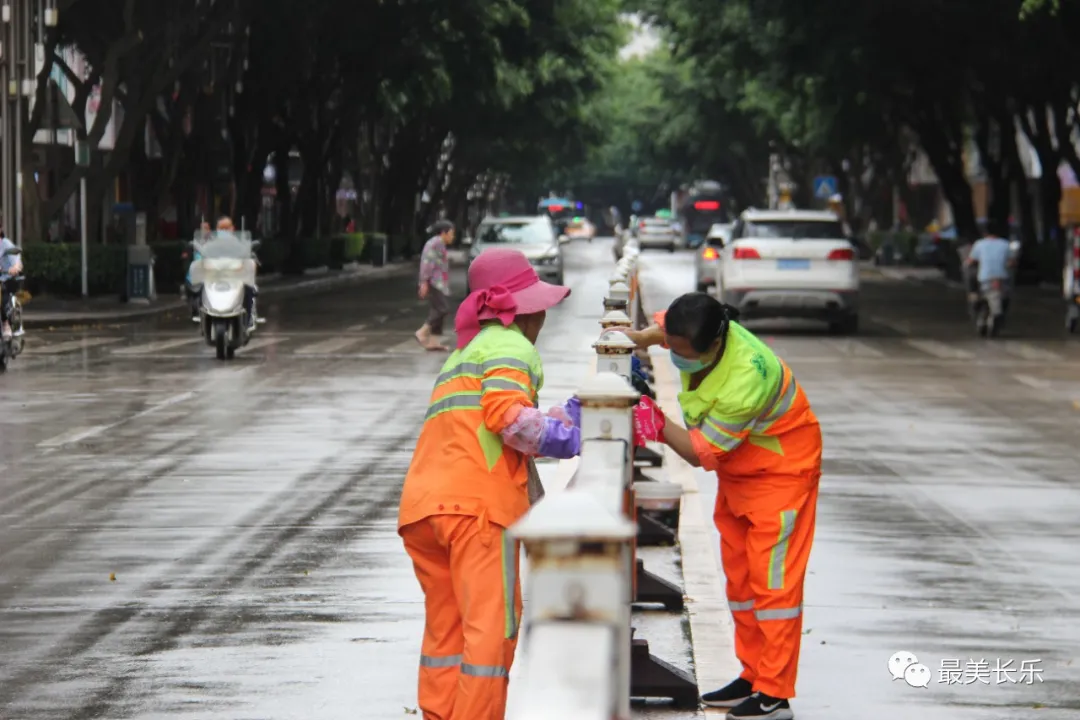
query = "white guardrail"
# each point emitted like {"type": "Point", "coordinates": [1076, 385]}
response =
{"type": "Point", "coordinates": [583, 662]}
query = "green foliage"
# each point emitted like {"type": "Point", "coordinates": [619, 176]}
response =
{"type": "Point", "coordinates": [56, 268]}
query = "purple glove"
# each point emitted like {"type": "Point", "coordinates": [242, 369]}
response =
{"type": "Point", "coordinates": [573, 409]}
{"type": "Point", "coordinates": [560, 441]}
{"type": "Point", "coordinates": [569, 412]}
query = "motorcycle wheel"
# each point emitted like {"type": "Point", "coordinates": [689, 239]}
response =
{"type": "Point", "coordinates": [221, 342]}
{"type": "Point", "coordinates": [995, 325]}
{"type": "Point", "coordinates": [3, 360]}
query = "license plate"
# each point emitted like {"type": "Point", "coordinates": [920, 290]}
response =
{"type": "Point", "coordinates": [793, 264]}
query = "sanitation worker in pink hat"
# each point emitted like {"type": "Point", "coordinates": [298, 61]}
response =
{"type": "Point", "coordinates": [468, 483]}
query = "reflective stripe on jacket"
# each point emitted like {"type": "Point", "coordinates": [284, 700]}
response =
{"type": "Point", "coordinates": [749, 417]}
{"type": "Point", "coordinates": [460, 465]}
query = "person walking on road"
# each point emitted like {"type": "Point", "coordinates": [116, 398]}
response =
{"type": "Point", "coordinates": [435, 284]}
{"type": "Point", "coordinates": [467, 484]}
{"type": "Point", "coordinates": [749, 421]}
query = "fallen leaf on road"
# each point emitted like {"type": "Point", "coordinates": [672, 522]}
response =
{"type": "Point", "coordinates": [112, 577]}
{"type": "Point", "coordinates": [410, 711]}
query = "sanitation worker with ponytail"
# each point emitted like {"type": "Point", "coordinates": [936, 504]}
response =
{"type": "Point", "coordinates": [749, 421]}
{"type": "Point", "coordinates": [468, 483]}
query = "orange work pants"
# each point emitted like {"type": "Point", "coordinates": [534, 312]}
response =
{"type": "Point", "coordinates": [468, 570]}
{"type": "Point", "coordinates": [766, 529]}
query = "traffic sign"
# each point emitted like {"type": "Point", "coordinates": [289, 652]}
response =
{"type": "Point", "coordinates": [636, 206]}
{"type": "Point", "coordinates": [824, 187]}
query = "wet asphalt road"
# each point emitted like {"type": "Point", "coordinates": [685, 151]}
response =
{"type": "Point", "coordinates": [184, 538]}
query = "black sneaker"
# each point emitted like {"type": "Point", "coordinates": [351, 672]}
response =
{"type": "Point", "coordinates": [761, 707]}
{"type": "Point", "coordinates": [729, 696]}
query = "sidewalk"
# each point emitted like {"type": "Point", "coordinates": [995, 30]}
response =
{"type": "Point", "coordinates": [44, 310]}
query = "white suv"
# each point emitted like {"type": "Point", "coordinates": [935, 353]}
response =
{"type": "Point", "coordinates": [791, 263]}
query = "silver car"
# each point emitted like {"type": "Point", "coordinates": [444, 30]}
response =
{"type": "Point", "coordinates": [534, 235]}
{"type": "Point", "coordinates": [654, 232]}
{"type": "Point", "coordinates": [707, 257]}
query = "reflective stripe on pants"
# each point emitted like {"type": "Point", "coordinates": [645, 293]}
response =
{"type": "Point", "coordinates": [468, 570]}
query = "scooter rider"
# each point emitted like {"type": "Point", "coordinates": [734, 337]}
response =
{"type": "Point", "coordinates": [225, 224]}
{"type": "Point", "coordinates": [993, 257]}
{"type": "Point", "coordinates": [10, 266]}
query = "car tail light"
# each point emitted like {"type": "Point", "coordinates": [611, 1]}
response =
{"type": "Point", "coordinates": [641, 225]}
{"type": "Point", "coordinates": [746, 254]}
{"type": "Point", "coordinates": [706, 205]}
{"type": "Point", "coordinates": [842, 254]}
{"type": "Point", "coordinates": [710, 254]}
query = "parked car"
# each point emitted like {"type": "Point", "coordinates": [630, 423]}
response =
{"type": "Point", "coordinates": [707, 257]}
{"type": "Point", "coordinates": [657, 232]}
{"type": "Point", "coordinates": [536, 236]}
{"type": "Point", "coordinates": [791, 263]}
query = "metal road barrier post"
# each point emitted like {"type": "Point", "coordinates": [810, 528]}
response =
{"type": "Point", "coordinates": [579, 654]}
{"type": "Point", "coordinates": [583, 661]}
{"type": "Point", "coordinates": [618, 298]}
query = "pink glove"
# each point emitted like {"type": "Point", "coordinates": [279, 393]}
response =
{"type": "Point", "coordinates": [649, 422]}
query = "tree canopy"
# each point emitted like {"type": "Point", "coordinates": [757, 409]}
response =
{"type": "Point", "coordinates": [438, 108]}
{"type": "Point", "coordinates": [852, 89]}
{"type": "Point", "coordinates": [425, 104]}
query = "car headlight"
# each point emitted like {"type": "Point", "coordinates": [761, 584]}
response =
{"type": "Point", "coordinates": [546, 260]}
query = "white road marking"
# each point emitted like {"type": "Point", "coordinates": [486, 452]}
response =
{"type": "Point", "coordinates": [356, 328]}
{"type": "Point", "coordinates": [855, 349]}
{"type": "Point", "coordinates": [83, 433]}
{"type": "Point", "coordinates": [261, 343]}
{"type": "Point", "coordinates": [1034, 382]}
{"type": "Point", "coordinates": [153, 347]}
{"type": "Point", "coordinates": [1030, 352]}
{"type": "Point", "coordinates": [70, 345]}
{"type": "Point", "coordinates": [409, 347]}
{"type": "Point", "coordinates": [904, 328]}
{"type": "Point", "coordinates": [72, 436]}
{"type": "Point", "coordinates": [940, 350]}
{"type": "Point", "coordinates": [332, 345]}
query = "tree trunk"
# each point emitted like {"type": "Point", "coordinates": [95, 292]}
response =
{"type": "Point", "coordinates": [944, 148]}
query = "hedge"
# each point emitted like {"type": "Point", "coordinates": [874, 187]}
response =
{"type": "Point", "coordinates": [903, 242]}
{"type": "Point", "coordinates": [56, 268]}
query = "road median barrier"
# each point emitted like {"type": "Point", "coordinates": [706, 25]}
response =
{"type": "Point", "coordinates": [585, 578]}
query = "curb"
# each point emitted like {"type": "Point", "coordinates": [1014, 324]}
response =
{"type": "Point", "coordinates": [712, 629]}
{"type": "Point", "coordinates": [129, 313]}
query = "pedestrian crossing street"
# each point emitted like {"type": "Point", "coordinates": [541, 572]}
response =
{"type": "Point", "coordinates": [359, 344]}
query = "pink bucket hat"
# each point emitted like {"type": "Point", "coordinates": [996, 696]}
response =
{"type": "Point", "coordinates": [504, 285]}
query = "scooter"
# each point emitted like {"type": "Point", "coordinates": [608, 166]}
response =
{"type": "Point", "coordinates": [13, 346]}
{"type": "Point", "coordinates": [223, 275]}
